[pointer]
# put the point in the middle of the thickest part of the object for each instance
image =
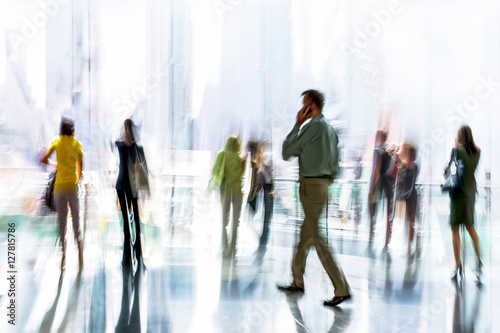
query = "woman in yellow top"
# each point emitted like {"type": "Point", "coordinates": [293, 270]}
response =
{"type": "Point", "coordinates": [69, 164]}
{"type": "Point", "coordinates": [230, 189]}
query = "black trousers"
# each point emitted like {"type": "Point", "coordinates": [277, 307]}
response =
{"type": "Point", "coordinates": [127, 200]}
{"type": "Point", "coordinates": [268, 211]}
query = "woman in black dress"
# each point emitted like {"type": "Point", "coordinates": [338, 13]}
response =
{"type": "Point", "coordinates": [463, 200]}
{"type": "Point", "coordinates": [127, 190]}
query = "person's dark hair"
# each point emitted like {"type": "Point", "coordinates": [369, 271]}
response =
{"type": "Point", "coordinates": [67, 126]}
{"type": "Point", "coordinates": [253, 147]}
{"type": "Point", "coordinates": [466, 140]}
{"type": "Point", "coordinates": [381, 135]}
{"type": "Point", "coordinates": [129, 127]}
{"type": "Point", "coordinates": [316, 97]}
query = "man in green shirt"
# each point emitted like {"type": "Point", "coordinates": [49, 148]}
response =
{"type": "Point", "coordinates": [316, 146]}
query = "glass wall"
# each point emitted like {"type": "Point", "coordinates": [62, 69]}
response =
{"type": "Point", "coordinates": [192, 72]}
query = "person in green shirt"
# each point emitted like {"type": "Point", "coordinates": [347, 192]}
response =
{"type": "Point", "coordinates": [316, 146]}
{"type": "Point", "coordinates": [69, 172]}
{"type": "Point", "coordinates": [233, 166]}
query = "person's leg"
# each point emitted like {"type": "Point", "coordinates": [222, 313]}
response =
{"type": "Point", "coordinates": [314, 196]}
{"type": "Point", "coordinates": [300, 254]}
{"type": "Point", "coordinates": [268, 211]}
{"type": "Point", "coordinates": [357, 207]}
{"type": "Point", "coordinates": [475, 241]}
{"type": "Point", "coordinates": [225, 199]}
{"type": "Point", "coordinates": [74, 205]}
{"type": "Point", "coordinates": [372, 208]}
{"type": "Point", "coordinates": [411, 211]}
{"type": "Point", "coordinates": [389, 195]}
{"type": "Point", "coordinates": [61, 205]}
{"type": "Point", "coordinates": [456, 246]}
{"type": "Point", "coordinates": [137, 222]}
{"type": "Point", "coordinates": [127, 251]}
{"type": "Point", "coordinates": [236, 200]}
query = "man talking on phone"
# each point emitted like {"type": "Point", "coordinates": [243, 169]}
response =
{"type": "Point", "coordinates": [316, 146]}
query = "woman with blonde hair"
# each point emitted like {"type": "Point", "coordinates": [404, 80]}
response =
{"type": "Point", "coordinates": [231, 165]}
{"type": "Point", "coordinates": [463, 199]}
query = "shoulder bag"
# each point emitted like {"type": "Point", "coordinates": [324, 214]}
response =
{"type": "Point", "coordinates": [141, 170]}
{"type": "Point", "coordinates": [48, 194]}
{"type": "Point", "coordinates": [454, 174]}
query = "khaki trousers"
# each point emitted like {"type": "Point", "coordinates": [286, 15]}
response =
{"type": "Point", "coordinates": [230, 196]}
{"type": "Point", "coordinates": [313, 196]}
{"type": "Point", "coordinates": [61, 201]}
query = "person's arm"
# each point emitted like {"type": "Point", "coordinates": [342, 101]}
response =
{"type": "Point", "coordinates": [79, 161]}
{"type": "Point", "coordinates": [218, 163]}
{"type": "Point", "coordinates": [79, 166]}
{"type": "Point", "coordinates": [377, 163]}
{"type": "Point", "coordinates": [296, 139]}
{"type": "Point", "coordinates": [46, 155]}
{"type": "Point", "coordinates": [335, 156]}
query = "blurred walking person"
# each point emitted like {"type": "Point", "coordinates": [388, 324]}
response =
{"type": "Point", "coordinates": [462, 200]}
{"type": "Point", "coordinates": [227, 173]}
{"type": "Point", "coordinates": [406, 186]}
{"type": "Point", "coordinates": [382, 181]}
{"type": "Point", "coordinates": [316, 146]}
{"type": "Point", "coordinates": [69, 166]}
{"type": "Point", "coordinates": [265, 179]}
{"type": "Point", "coordinates": [127, 188]}
{"type": "Point", "coordinates": [253, 148]}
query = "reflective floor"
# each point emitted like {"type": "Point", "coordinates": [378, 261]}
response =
{"type": "Point", "coordinates": [184, 284]}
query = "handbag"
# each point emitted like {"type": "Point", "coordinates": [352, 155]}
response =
{"type": "Point", "coordinates": [48, 194]}
{"type": "Point", "coordinates": [141, 170]}
{"type": "Point", "coordinates": [217, 174]}
{"type": "Point", "coordinates": [454, 174]}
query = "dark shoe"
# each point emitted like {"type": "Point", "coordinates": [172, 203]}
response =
{"type": "Point", "coordinates": [291, 288]}
{"type": "Point", "coordinates": [336, 300]}
{"type": "Point", "coordinates": [457, 272]}
{"type": "Point", "coordinates": [479, 272]}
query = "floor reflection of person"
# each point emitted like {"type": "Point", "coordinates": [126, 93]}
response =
{"type": "Point", "coordinates": [69, 166]}
{"type": "Point", "coordinates": [466, 311]}
{"type": "Point", "coordinates": [316, 145]}
{"type": "Point", "coordinates": [129, 319]}
{"type": "Point", "coordinates": [462, 200]}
